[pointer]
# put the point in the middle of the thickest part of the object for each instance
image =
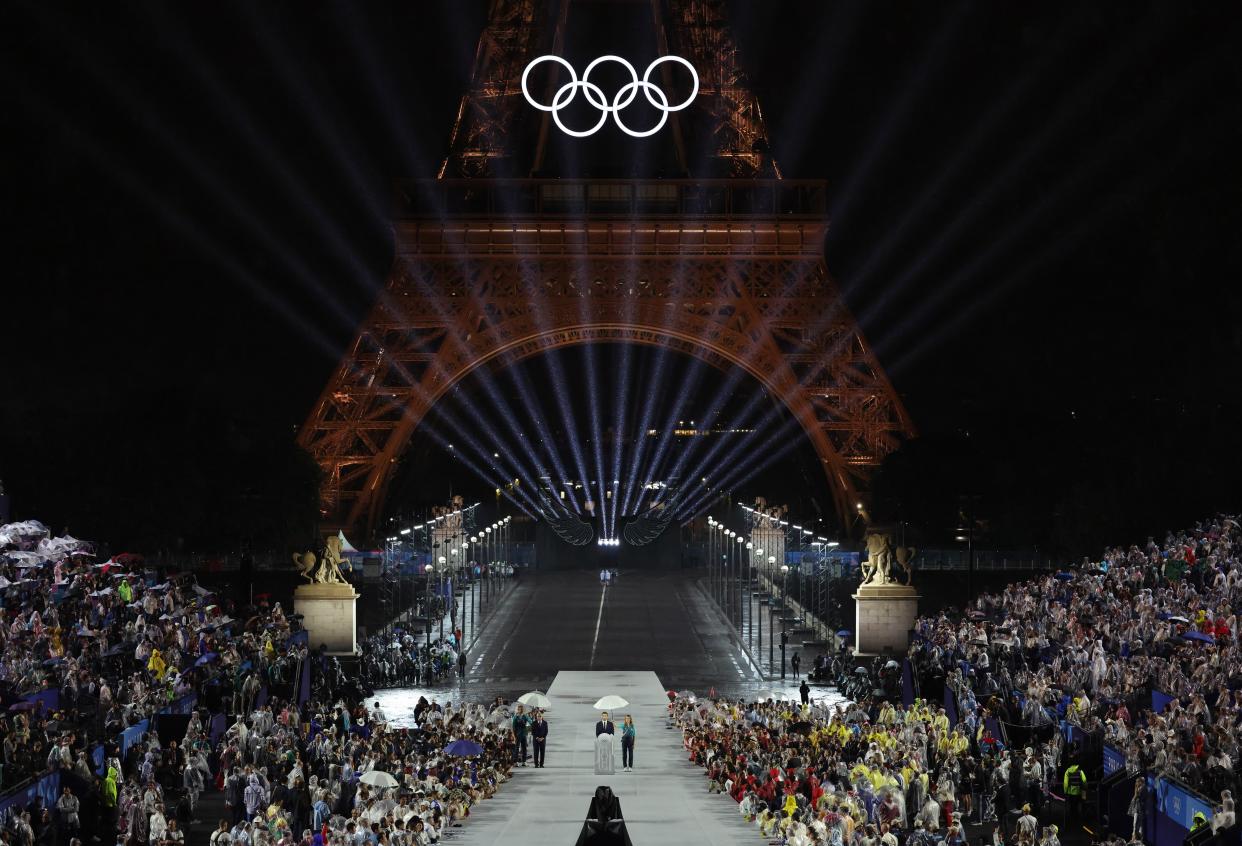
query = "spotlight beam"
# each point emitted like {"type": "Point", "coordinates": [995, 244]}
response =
{"type": "Point", "coordinates": [966, 155]}
{"type": "Point", "coordinates": [193, 231]}
{"type": "Point", "coordinates": [329, 132]}
{"type": "Point", "coordinates": [1122, 135]}
{"type": "Point", "coordinates": [903, 109]}
{"type": "Point", "coordinates": [640, 433]}
{"type": "Point", "coordinates": [774, 447]}
{"type": "Point", "coordinates": [265, 148]}
{"type": "Point", "coordinates": [102, 73]}
{"type": "Point", "coordinates": [1065, 242]}
{"type": "Point", "coordinates": [1065, 114]}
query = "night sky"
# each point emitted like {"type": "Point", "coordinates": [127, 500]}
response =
{"type": "Point", "coordinates": [1035, 219]}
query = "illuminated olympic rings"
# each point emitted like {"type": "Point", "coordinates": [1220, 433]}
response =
{"type": "Point", "coordinates": [624, 97]}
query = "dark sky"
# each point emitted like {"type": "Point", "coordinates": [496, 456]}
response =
{"type": "Point", "coordinates": [1036, 211]}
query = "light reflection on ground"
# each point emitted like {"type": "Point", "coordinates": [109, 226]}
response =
{"type": "Point", "coordinates": [398, 703]}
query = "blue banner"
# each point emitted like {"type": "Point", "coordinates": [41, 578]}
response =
{"type": "Point", "coordinates": [1114, 761]}
{"type": "Point", "coordinates": [1171, 811]}
{"type": "Point", "coordinates": [46, 788]}
{"type": "Point", "coordinates": [950, 706]}
{"type": "Point", "coordinates": [182, 705]}
{"type": "Point", "coordinates": [1159, 701]}
{"type": "Point", "coordinates": [130, 737]}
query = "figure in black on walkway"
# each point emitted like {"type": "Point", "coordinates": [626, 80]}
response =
{"type": "Point", "coordinates": [539, 734]}
{"type": "Point", "coordinates": [795, 662]}
{"type": "Point", "coordinates": [521, 723]}
{"type": "Point", "coordinates": [805, 691]}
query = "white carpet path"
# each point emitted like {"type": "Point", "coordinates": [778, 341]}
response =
{"type": "Point", "coordinates": [664, 800]}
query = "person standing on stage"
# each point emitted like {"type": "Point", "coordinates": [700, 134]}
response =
{"type": "Point", "coordinates": [627, 744]}
{"type": "Point", "coordinates": [539, 734]}
{"type": "Point", "coordinates": [604, 730]}
{"type": "Point", "coordinates": [521, 723]}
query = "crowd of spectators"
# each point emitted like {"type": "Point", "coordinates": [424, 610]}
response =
{"type": "Point", "coordinates": [122, 644]}
{"type": "Point", "coordinates": [1087, 647]}
{"type": "Point", "coordinates": [402, 658]}
{"type": "Point", "coordinates": [338, 776]}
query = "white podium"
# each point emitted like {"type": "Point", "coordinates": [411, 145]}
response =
{"type": "Point", "coordinates": [604, 755]}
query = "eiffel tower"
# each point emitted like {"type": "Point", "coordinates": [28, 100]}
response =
{"type": "Point", "coordinates": [530, 240]}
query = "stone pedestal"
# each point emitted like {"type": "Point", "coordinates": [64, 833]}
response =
{"type": "Point", "coordinates": [329, 614]}
{"type": "Point", "coordinates": [884, 618]}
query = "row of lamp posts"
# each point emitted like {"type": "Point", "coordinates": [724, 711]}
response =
{"type": "Point", "coordinates": [457, 553]}
{"type": "Point", "coordinates": [732, 565]}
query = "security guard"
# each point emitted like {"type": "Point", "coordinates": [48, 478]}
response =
{"type": "Point", "coordinates": [1074, 783]}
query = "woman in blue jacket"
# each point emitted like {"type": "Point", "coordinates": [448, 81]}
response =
{"type": "Point", "coordinates": [627, 744]}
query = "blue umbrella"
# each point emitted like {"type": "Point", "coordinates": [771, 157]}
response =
{"type": "Point", "coordinates": [463, 749]}
{"type": "Point", "coordinates": [206, 659]}
{"type": "Point", "coordinates": [1200, 636]}
{"type": "Point", "coordinates": [843, 633]}
{"type": "Point", "coordinates": [1065, 577]}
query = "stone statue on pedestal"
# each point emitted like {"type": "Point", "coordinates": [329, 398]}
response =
{"type": "Point", "coordinates": [886, 606]}
{"type": "Point", "coordinates": [881, 555]}
{"type": "Point", "coordinates": [327, 569]}
{"type": "Point", "coordinates": [328, 603]}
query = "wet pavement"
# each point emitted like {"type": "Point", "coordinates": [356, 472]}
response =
{"type": "Point", "coordinates": [655, 621]}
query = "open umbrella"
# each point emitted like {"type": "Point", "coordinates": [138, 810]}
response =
{"type": "Point", "coordinates": [1176, 619]}
{"type": "Point", "coordinates": [843, 633]}
{"type": "Point", "coordinates": [1199, 636]}
{"type": "Point", "coordinates": [610, 702]}
{"type": "Point", "coordinates": [378, 778]}
{"type": "Point", "coordinates": [1064, 576]}
{"type": "Point", "coordinates": [206, 658]}
{"type": "Point", "coordinates": [862, 671]}
{"type": "Point", "coordinates": [686, 694]}
{"type": "Point", "coordinates": [535, 699]}
{"type": "Point", "coordinates": [463, 749]}
{"type": "Point", "coordinates": [23, 706]}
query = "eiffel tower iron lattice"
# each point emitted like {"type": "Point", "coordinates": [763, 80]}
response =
{"type": "Point", "coordinates": [491, 269]}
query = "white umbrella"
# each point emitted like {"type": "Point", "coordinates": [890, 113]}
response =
{"type": "Point", "coordinates": [765, 695]}
{"type": "Point", "coordinates": [610, 702]}
{"type": "Point", "coordinates": [685, 694]}
{"type": "Point", "coordinates": [378, 778]}
{"type": "Point", "coordinates": [535, 699]}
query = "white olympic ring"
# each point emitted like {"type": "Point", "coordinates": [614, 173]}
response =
{"type": "Point", "coordinates": [595, 95]}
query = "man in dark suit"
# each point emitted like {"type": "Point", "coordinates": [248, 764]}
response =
{"type": "Point", "coordinates": [539, 734]}
{"type": "Point", "coordinates": [604, 726]}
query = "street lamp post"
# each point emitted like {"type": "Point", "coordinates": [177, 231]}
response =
{"type": "Point", "coordinates": [759, 648]}
{"type": "Point", "coordinates": [748, 609]}
{"type": "Point", "coordinates": [784, 594]}
{"type": "Point", "coordinates": [445, 583]}
{"type": "Point", "coordinates": [737, 579]}
{"type": "Point", "coordinates": [429, 570]}
{"type": "Point", "coordinates": [771, 633]}
{"type": "Point", "coordinates": [487, 567]}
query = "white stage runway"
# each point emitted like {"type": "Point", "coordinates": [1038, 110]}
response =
{"type": "Point", "coordinates": [664, 800]}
